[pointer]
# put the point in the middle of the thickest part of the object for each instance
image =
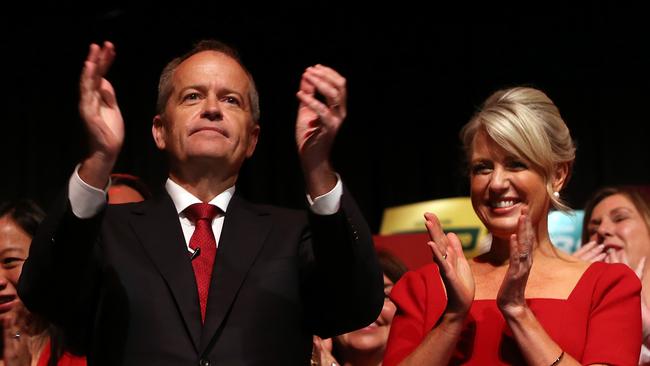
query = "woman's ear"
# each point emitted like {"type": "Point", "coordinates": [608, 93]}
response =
{"type": "Point", "coordinates": [561, 176]}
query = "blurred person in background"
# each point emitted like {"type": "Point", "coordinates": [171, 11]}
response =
{"type": "Point", "coordinates": [365, 346]}
{"type": "Point", "coordinates": [616, 229]}
{"type": "Point", "coordinates": [27, 338]}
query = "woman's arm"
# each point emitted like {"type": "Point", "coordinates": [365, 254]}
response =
{"type": "Point", "coordinates": [435, 345]}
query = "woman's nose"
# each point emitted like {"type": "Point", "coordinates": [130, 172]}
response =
{"type": "Point", "coordinates": [605, 229]}
{"type": "Point", "coordinates": [3, 280]}
{"type": "Point", "coordinates": [500, 180]}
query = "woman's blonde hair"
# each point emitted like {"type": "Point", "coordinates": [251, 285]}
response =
{"type": "Point", "coordinates": [527, 124]}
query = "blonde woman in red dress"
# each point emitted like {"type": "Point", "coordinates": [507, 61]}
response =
{"type": "Point", "coordinates": [524, 301]}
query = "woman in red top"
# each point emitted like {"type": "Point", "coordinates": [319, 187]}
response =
{"type": "Point", "coordinates": [26, 339]}
{"type": "Point", "coordinates": [524, 301]}
{"type": "Point", "coordinates": [616, 229]}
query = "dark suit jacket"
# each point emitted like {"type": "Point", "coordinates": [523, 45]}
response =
{"type": "Point", "coordinates": [122, 283]}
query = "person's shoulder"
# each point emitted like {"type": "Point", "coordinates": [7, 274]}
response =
{"type": "Point", "coordinates": [158, 204]}
{"type": "Point", "coordinates": [424, 276]}
{"type": "Point", "coordinates": [430, 270]}
{"type": "Point", "coordinates": [612, 270]}
{"type": "Point", "coordinates": [119, 209]}
{"type": "Point", "coordinates": [239, 202]}
{"type": "Point", "coordinates": [420, 291]}
{"type": "Point", "coordinates": [614, 275]}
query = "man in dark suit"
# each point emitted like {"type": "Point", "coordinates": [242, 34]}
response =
{"type": "Point", "coordinates": [121, 278]}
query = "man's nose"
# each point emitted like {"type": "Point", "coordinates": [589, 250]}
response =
{"type": "Point", "coordinates": [211, 109]}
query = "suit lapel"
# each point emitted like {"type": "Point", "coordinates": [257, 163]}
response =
{"type": "Point", "coordinates": [242, 237]}
{"type": "Point", "coordinates": [156, 225]}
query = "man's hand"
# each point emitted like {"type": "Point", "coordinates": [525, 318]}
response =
{"type": "Point", "coordinates": [318, 123]}
{"type": "Point", "coordinates": [101, 115]}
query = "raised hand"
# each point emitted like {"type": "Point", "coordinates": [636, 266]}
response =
{"type": "Point", "coordinates": [454, 268]}
{"type": "Point", "coordinates": [98, 105]}
{"type": "Point", "coordinates": [321, 354]}
{"type": "Point", "coordinates": [100, 113]}
{"type": "Point", "coordinates": [510, 299]}
{"type": "Point", "coordinates": [318, 123]}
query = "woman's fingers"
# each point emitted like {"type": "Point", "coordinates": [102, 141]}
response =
{"type": "Point", "coordinates": [439, 256]}
{"type": "Point", "coordinates": [436, 234]}
{"type": "Point", "coordinates": [455, 244]}
{"type": "Point", "coordinates": [591, 252]}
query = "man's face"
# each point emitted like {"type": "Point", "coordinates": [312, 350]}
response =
{"type": "Point", "coordinates": [208, 114]}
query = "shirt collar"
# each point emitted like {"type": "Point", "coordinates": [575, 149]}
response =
{"type": "Point", "coordinates": [183, 199]}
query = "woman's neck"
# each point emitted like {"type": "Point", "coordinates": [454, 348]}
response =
{"type": "Point", "coordinates": [35, 345]}
{"type": "Point", "coordinates": [499, 253]}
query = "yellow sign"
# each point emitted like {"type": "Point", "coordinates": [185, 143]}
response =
{"type": "Point", "coordinates": [455, 214]}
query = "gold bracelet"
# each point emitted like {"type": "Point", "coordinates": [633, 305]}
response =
{"type": "Point", "coordinates": [558, 359]}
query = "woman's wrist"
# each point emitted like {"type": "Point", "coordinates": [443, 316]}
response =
{"type": "Point", "coordinates": [518, 313]}
{"type": "Point", "coordinates": [452, 323]}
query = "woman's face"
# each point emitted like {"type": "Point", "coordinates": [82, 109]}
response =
{"type": "Point", "coordinates": [374, 336]}
{"type": "Point", "coordinates": [501, 185]}
{"type": "Point", "coordinates": [616, 223]}
{"type": "Point", "coordinates": [14, 248]}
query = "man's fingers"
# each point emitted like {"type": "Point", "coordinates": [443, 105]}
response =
{"type": "Point", "coordinates": [106, 57]}
{"type": "Point", "coordinates": [329, 75]}
{"type": "Point", "coordinates": [314, 104]}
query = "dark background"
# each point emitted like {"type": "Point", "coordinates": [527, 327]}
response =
{"type": "Point", "coordinates": [415, 76]}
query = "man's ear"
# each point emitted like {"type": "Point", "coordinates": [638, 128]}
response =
{"type": "Point", "coordinates": [158, 132]}
{"type": "Point", "coordinates": [252, 139]}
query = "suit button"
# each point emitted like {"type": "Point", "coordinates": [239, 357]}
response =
{"type": "Point", "coordinates": [204, 362]}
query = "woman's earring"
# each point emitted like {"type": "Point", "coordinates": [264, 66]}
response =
{"type": "Point", "coordinates": [556, 194]}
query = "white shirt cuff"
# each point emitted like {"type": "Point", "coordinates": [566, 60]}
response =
{"type": "Point", "coordinates": [330, 202]}
{"type": "Point", "coordinates": [85, 200]}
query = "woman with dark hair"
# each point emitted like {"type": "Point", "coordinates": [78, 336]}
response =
{"type": "Point", "coordinates": [365, 346]}
{"type": "Point", "coordinates": [27, 339]}
{"type": "Point", "coordinates": [616, 229]}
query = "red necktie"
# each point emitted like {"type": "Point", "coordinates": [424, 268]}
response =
{"type": "Point", "coordinates": [202, 240]}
